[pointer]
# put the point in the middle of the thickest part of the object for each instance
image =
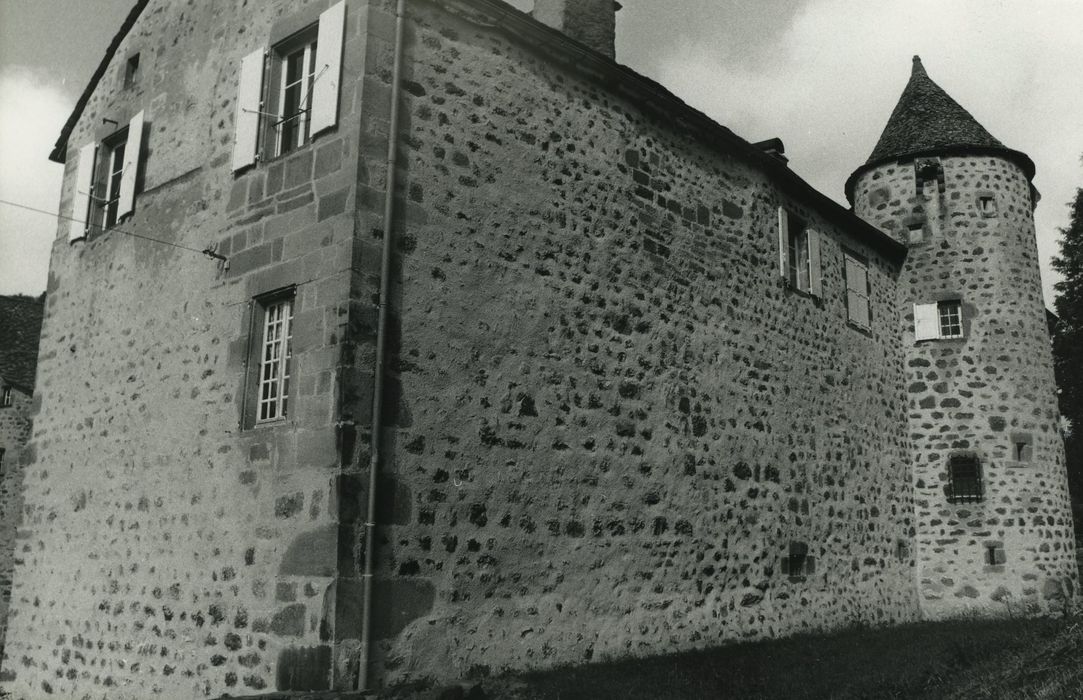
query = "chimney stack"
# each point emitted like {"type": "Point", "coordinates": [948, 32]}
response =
{"type": "Point", "coordinates": [590, 22]}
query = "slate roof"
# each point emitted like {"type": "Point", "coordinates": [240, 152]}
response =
{"type": "Point", "coordinates": [928, 121]}
{"type": "Point", "coordinates": [20, 330]}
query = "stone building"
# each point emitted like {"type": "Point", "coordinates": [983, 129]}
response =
{"type": "Point", "coordinates": [460, 347]}
{"type": "Point", "coordinates": [20, 326]}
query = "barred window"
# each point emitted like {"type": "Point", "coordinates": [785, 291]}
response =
{"type": "Point", "coordinates": [274, 365]}
{"type": "Point", "coordinates": [964, 479]}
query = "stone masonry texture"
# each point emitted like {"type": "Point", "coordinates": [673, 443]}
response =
{"type": "Point", "coordinates": [982, 393]}
{"type": "Point", "coordinates": [610, 427]}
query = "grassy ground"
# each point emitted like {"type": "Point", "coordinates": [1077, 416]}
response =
{"type": "Point", "coordinates": [962, 659]}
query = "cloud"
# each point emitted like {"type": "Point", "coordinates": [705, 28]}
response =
{"type": "Point", "coordinates": [839, 66]}
{"type": "Point", "coordinates": [32, 111]}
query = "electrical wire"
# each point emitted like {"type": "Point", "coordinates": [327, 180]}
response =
{"type": "Point", "coordinates": [206, 251]}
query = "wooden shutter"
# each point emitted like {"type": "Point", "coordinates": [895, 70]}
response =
{"type": "Point", "coordinates": [328, 67]}
{"type": "Point", "coordinates": [815, 274]}
{"type": "Point", "coordinates": [132, 154]}
{"type": "Point", "coordinates": [249, 94]}
{"type": "Point", "coordinates": [926, 322]}
{"type": "Point", "coordinates": [783, 243]}
{"type": "Point", "coordinates": [84, 185]}
{"type": "Point", "coordinates": [857, 292]}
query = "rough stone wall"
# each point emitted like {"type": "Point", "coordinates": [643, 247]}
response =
{"type": "Point", "coordinates": [979, 393]}
{"type": "Point", "coordinates": [166, 551]}
{"type": "Point", "coordinates": [15, 425]}
{"type": "Point", "coordinates": [614, 422]}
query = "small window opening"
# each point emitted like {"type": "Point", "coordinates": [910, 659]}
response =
{"type": "Point", "coordinates": [5, 396]}
{"type": "Point", "coordinates": [1, 460]}
{"type": "Point", "coordinates": [902, 550]}
{"type": "Point", "coordinates": [916, 233]}
{"type": "Point", "coordinates": [798, 562]}
{"type": "Point", "coordinates": [951, 318]}
{"type": "Point", "coordinates": [994, 554]}
{"type": "Point", "coordinates": [1022, 447]}
{"type": "Point", "coordinates": [131, 72]}
{"type": "Point", "coordinates": [987, 205]}
{"type": "Point", "coordinates": [964, 479]}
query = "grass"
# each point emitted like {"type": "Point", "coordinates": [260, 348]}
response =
{"type": "Point", "coordinates": [962, 659]}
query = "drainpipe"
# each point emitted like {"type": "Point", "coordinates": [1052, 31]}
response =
{"type": "Point", "coordinates": [381, 344]}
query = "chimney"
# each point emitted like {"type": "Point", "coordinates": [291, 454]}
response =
{"type": "Point", "coordinates": [590, 22]}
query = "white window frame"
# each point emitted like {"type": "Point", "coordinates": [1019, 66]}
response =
{"type": "Point", "coordinates": [5, 396]}
{"type": "Point", "coordinates": [799, 254]}
{"type": "Point", "coordinates": [304, 45]}
{"type": "Point", "coordinates": [110, 177]}
{"type": "Point", "coordinates": [275, 359]}
{"type": "Point", "coordinates": [933, 319]}
{"type": "Point", "coordinates": [949, 314]}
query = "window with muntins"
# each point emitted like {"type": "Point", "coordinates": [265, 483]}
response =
{"type": "Point", "coordinates": [106, 179]}
{"type": "Point", "coordinates": [274, 365]}
{"type": "Point", "coordinates": [951, 318]}
{"type": "Point", "coordinates": [964, 479]}
{"type": "Point", "coordinates": [108, 188]}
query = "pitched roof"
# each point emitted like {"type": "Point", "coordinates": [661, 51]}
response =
{"type": "Point", "coordinates": [20, 330]}
{"type": "Point", "coordinates": [928, 121]}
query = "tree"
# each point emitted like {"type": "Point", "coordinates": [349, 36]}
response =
{"type": "Point", "coordinates": [1068, 344]}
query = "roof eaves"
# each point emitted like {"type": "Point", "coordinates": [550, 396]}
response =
{"type": "Point", "coordinates": [59, 152]}
{"type": "Point", "coordinates": [651, 95]}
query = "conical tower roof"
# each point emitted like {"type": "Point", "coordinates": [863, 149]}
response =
{"type": "Point", "coordinates": [927, 121]}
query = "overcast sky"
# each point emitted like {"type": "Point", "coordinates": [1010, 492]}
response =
{"type": "Point", "coordinates": [821, 74]}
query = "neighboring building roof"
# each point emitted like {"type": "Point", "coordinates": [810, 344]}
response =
{"type": "Point", "coordinates": [928, 121]}
{"type": "Point", "coordinates": [618, 78]}
{"type": "Point", "coordinates": [20, 330]}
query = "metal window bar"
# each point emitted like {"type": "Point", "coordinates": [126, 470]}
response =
{"type": "Point", "coordinates": [298, 78]}
{"type": "Point", "coordinates": [966, 482]}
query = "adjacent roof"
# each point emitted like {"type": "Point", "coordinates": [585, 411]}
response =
{"type": "Point", "coordinates": [20, 330]}
{"type": "Point", "coordinates": [620, 79]}
{"type": "Point", "coordinates": [928, 121]}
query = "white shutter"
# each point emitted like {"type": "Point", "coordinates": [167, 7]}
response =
{"type": "Point", "coordinates": [783, 243]}
{"type": "Point", "coordinates": [815, 274]}
{"type": "Point", "coordinates": [132, 154]}
{"type": "Point", "coordinates": [249, 94]}
{"type": "Point", "coordinates": [857, 292]}
{"type": "Point", "coordinates": [926, 322]}
{"type": "Point", "coordinates": [328, 67]}
{"type": "Point", "coordinates": [84, 184]}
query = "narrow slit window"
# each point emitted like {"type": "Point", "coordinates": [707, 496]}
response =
{"type": "Point", "coordinates": [131, 72]}
{"type": "Point", "coordinates": [5, 396]}
{"type": "Point", "coordinates": [275, 354]}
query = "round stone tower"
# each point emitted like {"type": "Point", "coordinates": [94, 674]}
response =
{"type": "Point", "coordinates": [994, 524]}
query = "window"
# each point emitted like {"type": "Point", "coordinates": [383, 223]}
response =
{"type": "Point", "coordinates": [289, 93]}
{"type": "Point", "coordinates": [799, 254]}
{"type": "Point", "coordinates": [107, 190]}
{"type": "Point", "coordinates": [5, 396]}
{"type": "Point", "coordinates": [1, 460]}
{"type": "Point", "coordinates": [858, 291]}
{"type": "Point", "coordinates": [994, 554]}
{"type": "Point", "coordinates": [916, 233]}
{"type": "Point", "coordinates": [942, 320]}
{"type": "Point", "coordinates": [294, 66]}
{"type": "Point", "coordinates": [951, 319]}
{"type": "Point", "coordinates": [276, 348]}
{"type": "Point", "coordinates": [131, 72]}
{"type": "Point", "coordinates": [987, 205]}
{"type": "Point", "coordinates": [1022, 448]}
{"type": "Point", "coordinates": [798, 563]}
{"type": "Point", "coordinates": [105, 186]}
{"type": "Point", "coordinates": [964, 479]}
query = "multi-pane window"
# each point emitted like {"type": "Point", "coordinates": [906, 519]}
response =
{"type": "Point", "coordinates": [274, 365]}
{"type": "Point", "coordinates": [951, 318]}
{"type": "Point", "coordinates": [857, 291]}
{"type": "Point", "coordinates": [943, 319]}
{"type": "Point", "coordinates": [106, 179]}
{"type": "Point", "coordinates": [964, 479]}
{"type": "Point", "coordinates": [5, 396]}
{"type": "Point", "coordinates": [297, 70]}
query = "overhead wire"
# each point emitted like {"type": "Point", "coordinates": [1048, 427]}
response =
{"type": "Point", "coordinates": [210, 253]}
